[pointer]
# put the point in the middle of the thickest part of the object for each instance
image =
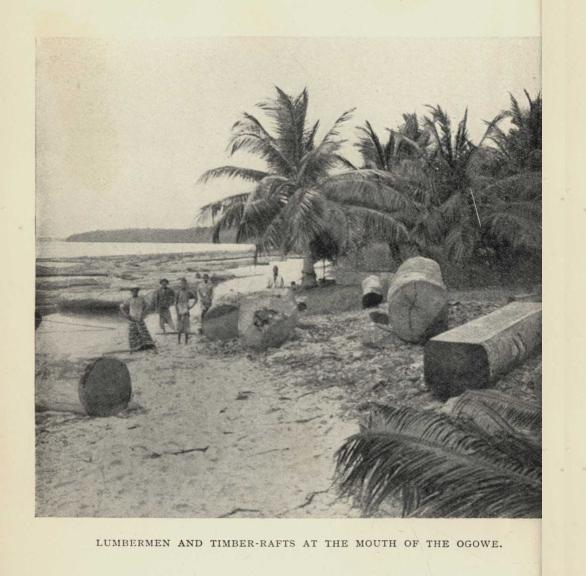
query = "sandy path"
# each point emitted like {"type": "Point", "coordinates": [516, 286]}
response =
{"type": "Point", "coordinates": [263, 447]}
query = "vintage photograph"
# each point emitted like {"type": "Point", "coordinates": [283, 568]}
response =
{"type": "Point", "coordinates": [288, 277]}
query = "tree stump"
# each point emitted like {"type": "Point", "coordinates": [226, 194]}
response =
{"type": "Point", "coordinates": [418, 300]}
{"type": "Point", "coordinates": [267, 319]}
{"type": "Point", "coordinates": [102, 389]}
{"type": "Point", "coordinates": [372, 292]}
{"type": "Point", "coordinates": [477, 353]}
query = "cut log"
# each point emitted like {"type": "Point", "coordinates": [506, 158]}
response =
{"type": "Point", "coordinates": [475, 354]}
{"type": "Point", "coordinates": [267, 319]}
{"type": "Point", "coordinates": [221, 322]}
{"type": "Point", "coordinates": [418, 300]}
{"type": "Point", "coordinates": [372, 292]}
{"type": "Point", "coordinates": [102, 389]}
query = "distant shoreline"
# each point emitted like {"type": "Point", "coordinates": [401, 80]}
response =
{"type": "Point", "coordinates": [200, 235]}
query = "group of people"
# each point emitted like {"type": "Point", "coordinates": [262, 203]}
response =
{"type": "Point", "coordinates": [136, 308]}
{"type": "Point", "coordinates": [183, 300]}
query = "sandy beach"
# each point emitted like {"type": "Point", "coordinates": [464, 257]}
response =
{"type": "Point", "coordinates": [214, 430]}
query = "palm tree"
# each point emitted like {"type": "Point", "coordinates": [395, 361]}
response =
{"type": "Point", "coordinates": [520, 147]}
{"type": "Point", "coordinates": [483, 459]}
{"type": "Point", "coordinates": [401, 155]}
{"type": "Point", "coordinates": [303, 195]}
{"type": "Point", "coordinates": [451, 219]}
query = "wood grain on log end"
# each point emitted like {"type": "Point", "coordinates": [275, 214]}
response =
{"type": "Point", "coordinates": [418, 300]}
{"type": "Point", "coordinates": [419, 311]}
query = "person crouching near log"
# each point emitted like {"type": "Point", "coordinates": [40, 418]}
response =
{"type": "Point", "coordinates": [185, 300]}
{"type": "Point", "coordinates": [164, 299]}
{"type": "Point", "coordinates": [135, 310]}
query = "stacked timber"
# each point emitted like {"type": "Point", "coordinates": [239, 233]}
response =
{"type": "Point", "coordinates": [418, 300]}
{"type": "Point", "coordinates": [475, 354]}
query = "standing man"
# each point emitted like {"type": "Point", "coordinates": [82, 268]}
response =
{"type": "Point", "coordinates": [185, 300]}
{"type": "Point", "coordinates": [164, 299]}
{"type": "Point", "coordinates": [205, 293]}
{"type": "Point", "coordinates": [276, 280]}
{"type": "Point", "coordinates": [135, 310]}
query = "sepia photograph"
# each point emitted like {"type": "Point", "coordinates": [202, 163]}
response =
{"type": "Point", "coordinates": [287, 277]}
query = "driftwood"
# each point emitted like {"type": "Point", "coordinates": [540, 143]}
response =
{"type": "Point", "coordinates": [417, 300]}
{"type": "Point", "coordinates": [475, 354]}
{"type": "Point", "coordinates": [102, 389]}
{"type": "Point", "coordinates": [372, 292]}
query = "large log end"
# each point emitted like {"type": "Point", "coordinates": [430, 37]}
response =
{"type": "Point", "coordinates": [449, 370]}
{"type": "Point", "coordinates": [221, 322]}
{"type": "Point", "coordinates": [419, 311]}
{"type": "Point", "coordinates": [105, 388]}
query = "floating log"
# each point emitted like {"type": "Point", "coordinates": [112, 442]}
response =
{"type": "Point", "coordinates": [417, 300]}
{"type": "Point", "coordinates": [475, 354]}
{"type": "Point", "coordinates": [267, 319]}
{"type": "Point", "coordinates": [372, 292]}
{"type": "Point", "coordinates": [102, 389]}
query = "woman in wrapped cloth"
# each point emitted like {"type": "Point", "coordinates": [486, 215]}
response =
{"type": "Point", "coordinates": [135, 310]}
{"type": "Point", "coordinates": [185, 300]}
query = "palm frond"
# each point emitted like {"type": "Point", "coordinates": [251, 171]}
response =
{"type": "Point", "coordinates": [439, 466]}
{"type": "Point", "coordinates": [246, 174]}
{"type": "Point", "coordinates": [370, 147]}
{"type": "Point", "coordinates": [212, 209]}
{"type": "Point", "coordinates": [497, 412]}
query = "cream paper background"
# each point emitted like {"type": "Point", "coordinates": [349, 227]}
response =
{"type": "Point", "coordinates": [67, 546]}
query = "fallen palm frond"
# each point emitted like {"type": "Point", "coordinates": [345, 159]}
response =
{"type": "Point", "coordinates": [444, 466]}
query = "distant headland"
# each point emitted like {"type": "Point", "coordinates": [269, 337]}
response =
{"type": "Point", "coordinates": [159, 235]}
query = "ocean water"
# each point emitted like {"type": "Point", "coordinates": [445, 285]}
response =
{"type": "Point", "coordinates": [52, 249]}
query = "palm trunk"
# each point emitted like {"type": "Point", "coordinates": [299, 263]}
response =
{"type": "Point", "coordinates": [395, 250]}
{"type": "Point", "coordinates": [308, 279]}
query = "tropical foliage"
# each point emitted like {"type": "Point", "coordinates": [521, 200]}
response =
{"type": "Point", "coordinates": [468, 197]}
{"type": "Point", "coordinates": [425, 187]}
{"type": "Point", "coordinates": [309, 198]}
{"type": "Point", "coordinates": [483, 459]}
{"type": "Point", "coordinates": [520, 147]}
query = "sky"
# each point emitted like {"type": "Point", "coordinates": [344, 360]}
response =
{"type": "Point", "coordinates": [124, 129]}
